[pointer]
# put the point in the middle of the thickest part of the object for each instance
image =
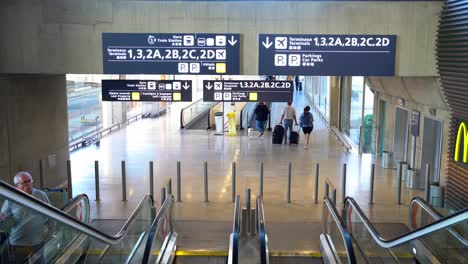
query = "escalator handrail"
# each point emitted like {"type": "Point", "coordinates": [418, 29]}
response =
{"type": "Point", "coordinates": [347, 241]}
{"type": "Point", "coordinates": [75, 201]}
{"type": "Point", "coordinates": [155, 225]}
{"type": "Point", "coordinates": [264, 259]}
{"type": "Point", "coordinates": [419, 202]}
{"type": "Point", "coordinates": [182, 125]}
{"type": "Point", "coordinates": [233, 257]}
{"type": "Point", "coordinates": [417, 233]}
{"type": "Point", "coordinates": [13, 194]}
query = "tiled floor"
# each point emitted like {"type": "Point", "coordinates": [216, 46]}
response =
{"type": "Point", "coordinates": [160, 140]}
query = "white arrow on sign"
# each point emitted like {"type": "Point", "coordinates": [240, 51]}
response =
{"type": "Point", "coordinates": [232, 41]}
{"type": "Point", "coordinates": [209, 86]}
{"type": "Point", "coordinates": [186, 86]}
{"type": "Point", "coordinates": [267, 44]}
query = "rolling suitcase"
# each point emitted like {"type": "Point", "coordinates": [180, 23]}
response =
{"type": "Point", "coordinates": [294, 137]}
{"type": "Point", "coordinates": [278, 134]}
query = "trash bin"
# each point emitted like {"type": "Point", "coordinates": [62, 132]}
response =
{"type": "Point", "coordinates": [413, 180]}
{"type": "Point", "coordinates": [404, 170]}
{"type": "Point", "coordinates": [219, 123]}
{"type": "Point", "coordinates": [387, 159]}
{"type": "Point", "coordinates": [231, 123]}
{"type": "Point", "coordinates": [436, 195]}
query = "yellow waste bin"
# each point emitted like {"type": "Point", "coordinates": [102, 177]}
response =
{"type": "Point", "coordinates": [231, 123]}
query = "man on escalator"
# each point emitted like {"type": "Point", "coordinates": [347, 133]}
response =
{"type": "Point", "coordinates": [29, 228]}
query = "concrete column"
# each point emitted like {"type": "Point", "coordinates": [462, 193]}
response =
{"type": "Point", "coordinates": [34, 126]}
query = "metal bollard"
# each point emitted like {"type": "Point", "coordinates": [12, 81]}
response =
{"type": "Point", "coordinates": [247, 204]}
{"type": "Point", "coordinates": [163, 195]}
{"type": "Point", "coordinates": [261, 180]}
{"type": "Point", "coordinates": [343, 184]}
{"type": "Point", "coordinates": [96, 180]}
{"type": "Point", "coordinates": [316, 183]}
{"type": "Point", "coordinates": [233, 187]}
{"type": "Point", "coordinates": [179, 191]}
{"type": "Point", "coordinates": [151, 179]}
{"type": "Point", "coordinates": [428, 184]}
{"type": "Point", "coordinates": [288, 191]}
{"type": "Point", "coordinates": [169, 186]}
{"type": "Point", "coordinates": [205, 181]}
{"type": "Point", "coordinates": [69, 184]}
{"type": "Point", "coordinates": [372, 184]}
{"type": "Point", "coordinates": [41, 174]}
{"type": "Point", "coordinates": [400, 175]}
{"type": "Point", "coordinates": [124, 182]}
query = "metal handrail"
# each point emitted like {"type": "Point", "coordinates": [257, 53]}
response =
{"type": "Point", "coordinates": [75, 202]}
{"type": "Point", "coordinates": [417, 201]}
{"type": "Point", "coordinates": [347, 241]}
{"type": "Point", "coordinates": [328, 184]}
{"type": "Point", "coordinates": [262, 237]}
{"type": "Point", "coordinates": [24, 199]}
{"type": "Point", "coordinates": [417, 233]}
{"type": "Point", "coordinates": [233, 257]}
{"type": "Point", "coordinates": [155, 226]}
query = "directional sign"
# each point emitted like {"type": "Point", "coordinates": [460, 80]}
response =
{"type": "Point", "coordinates": [147, 90]}
{"type": "Point", "coordinates": [170, 53]}
{"type": "Point", "coordinates": [415, 123]}
{"type": "Point", "coordinates": [247, 91]}
{"type": "Point", "coordinates": [325, 55]}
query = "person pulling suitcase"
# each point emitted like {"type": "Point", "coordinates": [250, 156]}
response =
{"type": "Point", "coordinates": [288, 115]}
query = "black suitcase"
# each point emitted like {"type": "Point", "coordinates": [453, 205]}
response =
{"type": "Point", "coordinates": [278, 134]}
{"type": "Point", "coordinates": [294, 137]}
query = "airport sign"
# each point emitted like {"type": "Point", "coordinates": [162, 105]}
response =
{"type": "Point", "coordinates": [147, 90]}
{"type": "Point", "coordinates": [326, 55]}
{"type": "Point", "coordinates": [170, 53]}
{"type": "Point", "coordinates": [247, 91]}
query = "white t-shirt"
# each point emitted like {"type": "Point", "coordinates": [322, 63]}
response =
{"type": "Point", "coordinates": [289, 112]}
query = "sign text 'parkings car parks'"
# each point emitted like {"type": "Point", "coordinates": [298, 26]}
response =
{"type": "Point", "coordinates": [326, 55]}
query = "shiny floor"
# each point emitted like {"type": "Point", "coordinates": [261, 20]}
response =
{"type": "Point", "coordinates": [161, 140]}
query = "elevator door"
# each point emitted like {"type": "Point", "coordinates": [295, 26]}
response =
{"type": "Point", "coordinates": [431, 147]}
{"type": "Point", "coordinates": [400, 139]}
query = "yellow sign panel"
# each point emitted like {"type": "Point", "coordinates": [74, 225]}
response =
{"type": "Point", "coordinates": [220, 67]}
{"type": "Point", "coordinates": [176, 96]}
{"type": "Point", "coordinates": [135, 96]}
{"type": "Point", "coordinates": [253, 96]}
{"type": "Point", "coordinates": [462, 131]}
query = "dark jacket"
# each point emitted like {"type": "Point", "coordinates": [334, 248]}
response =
{"type": "Point", "coordinates": [261, 113]}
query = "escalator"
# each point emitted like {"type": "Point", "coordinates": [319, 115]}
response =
{"type": "Point", "coordinates": [196, 115]}
{"type": "Point", "coordinates": [428, 238]}
{"type": "Point", "coordinates": [67, 236]}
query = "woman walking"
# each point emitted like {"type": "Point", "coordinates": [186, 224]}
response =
{"type": "Point", "coordinates": [306, 121]}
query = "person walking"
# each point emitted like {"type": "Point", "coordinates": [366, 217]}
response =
{"type": "Point", "coordinates": [288, 115]}
{"type": "Point", "coordinates": [261, 116]}
{"type": "Point", "coordinates": [306, 122]}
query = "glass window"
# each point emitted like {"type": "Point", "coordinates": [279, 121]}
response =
{"type": "Point", "coordinates": [355, 116]}
{"type": "Point", "coordinates": [368, 144]}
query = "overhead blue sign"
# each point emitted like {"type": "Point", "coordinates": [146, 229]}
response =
{"type": "Point", "coordinates": [146, 90]}
{"type": "Point", "coordinates": [170, 53]}
{"type": "Point", "coordinates": [325, 55]}
{"type": "Point", "coordinates": [247, 91]}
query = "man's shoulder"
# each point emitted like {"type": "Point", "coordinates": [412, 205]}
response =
{"type": "Point", "coordinates": [39, 194]}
